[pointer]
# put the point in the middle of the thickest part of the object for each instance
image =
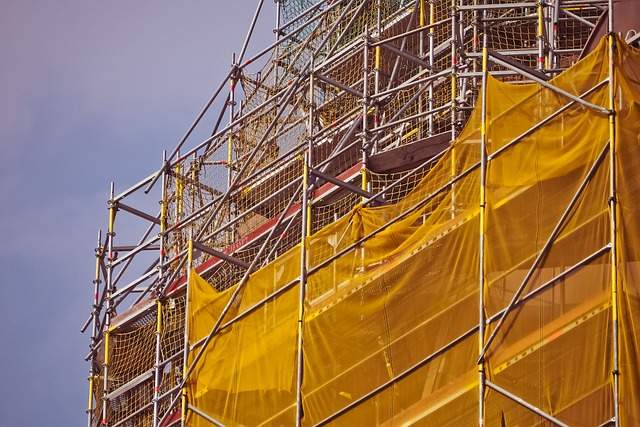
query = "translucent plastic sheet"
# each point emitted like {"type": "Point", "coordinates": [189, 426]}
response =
{"type": "Point", "coordinates": [391, 325]}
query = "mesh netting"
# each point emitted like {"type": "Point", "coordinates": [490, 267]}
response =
{"type": "Point", "coordinates": [171, 348]}
{"type": "Point", "coordinates": [135, 405]}
{"type": "Point", "coordinates": [132, 351]}
{"type": "Point", "coordinates": [132, 355]}
{"type": "Point", "coordinates": [172, 333]}
{"type": "Point", "coordinates": [380, 181]}
{"type": "Point", "coordinates": [326, 213]}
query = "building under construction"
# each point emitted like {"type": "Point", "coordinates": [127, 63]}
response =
{"type": "Point", "coordinates": [407, 212]}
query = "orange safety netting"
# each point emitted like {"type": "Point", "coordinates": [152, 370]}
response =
{"type": "Point", "coordinates": [400, 311]}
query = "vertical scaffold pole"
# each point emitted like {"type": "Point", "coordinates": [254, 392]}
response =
{"type": "Point", "coordinates": [462, 85]}
{"type": "Point", "coordinates": [94, 328]}
{"type": "Point", "coordinates": [422, 21]}
{"type": "Point", "coordinates": [365, 110]}
{"type": "Point", "coordinates": [474, 40]}
{"type": "Point", "coordinates": [554, 17]}
{"type": "Point", "coordinates": [156, 368]}
{"type": "Point", "coordinates": [179, 190]}
{"type": "Point", "coordinates": [194, 176]}
{"type": "Point", "coordinates": [305, 230]}
{"type": "Point", "coordinates": [109, 289]}
{"type": "Point", "coordinates": [454, 67]}
{"type": "Point", "coordinates": [540, 35]}
{"type": "Point", "coordinates": [185, 353]}
{"type": "Point", "coordinates": [161, 254]}
{"type": "Point", "coordinates": [90, 401]}
{"type": "Point", "coordinates": [613, 218]}
{"type": "Point", "coordinates": [311, 119]}
{"type": "Point", "coordinates": [378, 49]}
{"type": "Point", "coordinates": [482, 215]}
{"type": "Point", "coordinates": [454, 91]}
{"type": "Point", "coordinates": [232, 104]}
{"type": "Point", "coordinates": [302, 290]}
{"type": "Point", "coordinates": [377, 70]}
{"type": "Point", "coordinates": [276, 50]}
{"type": "Point", "coordinates": [310, 159]}
{"type": "Point", "coordinates": [431, 62]}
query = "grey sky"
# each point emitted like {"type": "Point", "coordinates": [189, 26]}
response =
{"type": "Point", "coordinates": [90, 91]}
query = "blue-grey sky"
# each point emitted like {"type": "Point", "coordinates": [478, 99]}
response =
{"type": "Point", "coordinates": [90, 91]}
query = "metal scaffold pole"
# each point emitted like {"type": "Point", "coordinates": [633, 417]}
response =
{"type": "Point", "coordinates": [453, 11]}
{"type": "Point", "coordinates": [422, 22]}
{"type": "Point", "coordinates": [552, 34]}
{"type": "Point", "coordinates": [99, 253]}
{"type": "Point", "coordinates": [540, 12]}
{"type": "Point", "coordinates": [613, 215]}
{"type": "Point", "coordinates": [109, 312]}
{"type": "Point", "coordinates": [230, 137]}
{"type": "Point", "coordinates": [232, 111]}
{"type": "Point", "coordinates": [276, 50]}
{"type": "Point", "coordinates": [157, 377]}
{"type": "Point", "coordinates": [365, 109]}
{"type": "Point", "coordinates": [482, 217]}
{"type": "Point", "coordinates": [305, 231]}
{"type": "Point", "coordinates": [185, 354]}
{"type": "Point", "coordinates": [301, 296]}
{"type": "Point", "coordinates": [454, 95]}
{"type": "Point", "coordinates": [377, 70]}
{"type": "Point", "coordinates": [302, 284]}
{"type": "Point", "coordinates": [432, 30]}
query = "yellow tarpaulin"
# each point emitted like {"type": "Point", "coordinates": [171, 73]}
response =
{"type": "Point", "coordinates": [402, 309]}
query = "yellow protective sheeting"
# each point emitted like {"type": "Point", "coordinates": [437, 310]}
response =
{"type": "Point", "coordinates": [395, 317]}
{"type": "Point", "coordinates": [628, 178]}
{"type": "Point", "coordinates": [247, 372]}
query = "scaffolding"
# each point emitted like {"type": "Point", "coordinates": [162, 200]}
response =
{"type": "Point", "coordinates": [355, 105]}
